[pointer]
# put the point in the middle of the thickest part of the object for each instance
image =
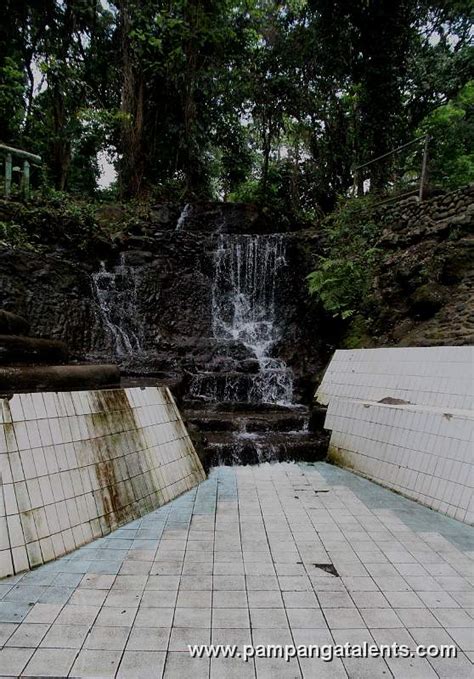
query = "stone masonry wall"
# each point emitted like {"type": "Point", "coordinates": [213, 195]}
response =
{"type": "Point", "coordinates": [425, 283]}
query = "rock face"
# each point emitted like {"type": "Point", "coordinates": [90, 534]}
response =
{"type": "Point", "coordinates": [425, 288]}
{"type": "Point", "coordinates": [211, 299]}
{"type": "Point", "coordinates": [53, 292]}
{"type": "Point", "coordinates": [31, 364]}
{"type": "Point", "coordinates": [11, 324]}
{"type": "Point", "coordinates": [149, 303]}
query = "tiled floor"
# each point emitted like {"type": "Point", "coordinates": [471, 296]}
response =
{"type": "Point", "coordinates": [234, 561]}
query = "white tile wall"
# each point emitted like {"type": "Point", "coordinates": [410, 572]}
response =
{"type": "Point", "coordinates": [432, 376]}
{"type": "Point", "coordinates": [422, 447]}
{"type": "Point", "coordinates": [75, 465]}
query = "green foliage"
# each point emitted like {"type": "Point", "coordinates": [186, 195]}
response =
{"type": "Point", "coordinates": [48, 223]}
{"type": "Point", "coordinates": [340, 285]}
{"type": "Point", "coordinates": [451, 128]}
{"type": "Point", "coordinates": [358, 334]}
{"type": "Point", "coordinates": [234, 98]}
{"type": "Point", "coordinates": [15, 236]}
{"type": "Point", "coordinates": [12, 83]}
{"type": "Point", "coordinates": [342, 281]}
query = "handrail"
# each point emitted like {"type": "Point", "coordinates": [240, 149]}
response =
{"type": "Point", "coordinates": [9, 152]}
{"type": "Point", "coordinates": [424, 165]}
{"type": "Point", "coordinates": [389, 153]}
{"type": "Point", "coordinates": [20, 153]}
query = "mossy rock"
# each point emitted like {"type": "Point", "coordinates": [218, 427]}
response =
{"type": "Point", "coordinates": [427, 300]}
{"type": "Point", "coordinates": [110, 215]}
{"type": "Point", "coordinates": [358, 335]}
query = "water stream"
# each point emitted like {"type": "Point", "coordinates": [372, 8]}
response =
{"type": "Point", "coordinates": [186, 212]}
{"type": "Point", "coordinates": [244, 309]}
{"type": "Point", "coordinates": [116, 293]}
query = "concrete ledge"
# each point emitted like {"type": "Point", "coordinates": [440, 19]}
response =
{"type": "Point", "coordinates": [58, 377]}
{"type": "Point", "coordinates": [75, 465]}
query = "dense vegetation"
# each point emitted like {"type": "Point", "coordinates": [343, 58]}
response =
{"type": "Point", "coordinates": [236, 99]}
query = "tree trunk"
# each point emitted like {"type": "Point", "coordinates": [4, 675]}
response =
{"type": "Point", "coordinates": [61, 151]}
{"type": "Point", "coordinates": [267, 146]}
{"type": "Point", "coordinates": [192, 162]}
{"type": "Point", "coordinates": [132, 166]}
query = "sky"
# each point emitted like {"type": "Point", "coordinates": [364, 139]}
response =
{"type": "Point", "coordinates": [107, 171]}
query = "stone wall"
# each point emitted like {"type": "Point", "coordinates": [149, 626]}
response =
{"type": "Point", "coordinates": [75, 465]}
{"type": "Point", "coordinates": [409, 215]}
{"type": "Point", "coordinates": [425, 284]}
{"type": "Point", "coordinates": [404, 417]}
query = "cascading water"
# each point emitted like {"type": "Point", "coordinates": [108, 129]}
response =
{"type": "Point", "coordinates": [183, 216]}
{"type": "Point", "coordinates": [116, 294]}
{"type": "Point", "coordinates": [247, 271]}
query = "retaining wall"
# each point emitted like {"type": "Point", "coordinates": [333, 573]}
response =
{"type": "Point", "coordinates": [404, 418]}
{"type": "Point", "coordinates": [75, 465]}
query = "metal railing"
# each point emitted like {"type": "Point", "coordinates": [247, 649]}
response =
{"type": "Point", "coordinates": [29, 159]}
{"type": "Point", "coordinates": [402, 180]}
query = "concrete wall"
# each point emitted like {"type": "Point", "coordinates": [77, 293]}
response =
{"type": "Point", "coordinates": [75, 465]}
{"type": "Point", "coordinates": [404, 418]}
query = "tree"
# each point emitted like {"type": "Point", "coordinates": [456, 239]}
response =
{"type": "Point", "coordinates": [212, 98]}
{"type": "Point", "coordinates": [451, 129]}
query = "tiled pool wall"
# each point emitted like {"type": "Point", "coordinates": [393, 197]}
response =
{"type": "Point", "coordinates": [404, 418]}
{"type": "Point", "coordinates": [75, 465]}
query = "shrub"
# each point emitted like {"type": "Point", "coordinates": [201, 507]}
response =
{"type": "Point", "coordinates": [451, 128]}
{"type": "Point", "coordinates": [343, 278]}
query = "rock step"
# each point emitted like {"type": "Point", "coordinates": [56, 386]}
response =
{"type": "Point", "coordinates": [248, 421]}
{"type": "Point", "coordinates": [12, 324]}
{"type": "Point", "coordinates": [16, 349]}
{"type": "Point", "coordinates": [224, 449]}
{"type": "Point", "coordinates": [234, 386]}
{"type": "Point", "coordinates": [58, 378]}
{"type": "Point", "coordinates": [248, 434]}
{"type": "Point", "coordinates": [268, 438]}
{"type": "Point", "coordinates": [193, 406]}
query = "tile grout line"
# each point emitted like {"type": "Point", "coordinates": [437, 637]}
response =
{"type": "Point", "coordinates": [211, 634]}
{"type": "Point", "coordinates": [195, 495]}
{"type": "Point", "coordinates": [273, 563]}
{"type": "Point", "coordinates": [347, 591]}
{"type": "Point", "coordinates": [392, 608]}
{"type": "Point", "coordinates": [244, 569]}
{"type": "Point", "coordinates": [102, 606]}
{"type": "Point", "coordinates": [122, 653]}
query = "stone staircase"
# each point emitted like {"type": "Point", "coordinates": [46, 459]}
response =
{"type": "Point", "coordinates": [237, 433]}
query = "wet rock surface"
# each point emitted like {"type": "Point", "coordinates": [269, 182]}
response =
{"type": "Point", "coordinates": [208, 298]}
{"type": "Point", "coordinates": [239, 434]}
{"type": "Point", "coordinates": [155, 282]}
{"type": "Point", "coordinates": [15, 379]}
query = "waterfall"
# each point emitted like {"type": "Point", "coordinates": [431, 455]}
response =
{"type": "Point", "coordinates": [116, 295]}
{"type": "Point", "coordinates": [247, 272]}
{"type": "Point", "coordinates": [183, 216]}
